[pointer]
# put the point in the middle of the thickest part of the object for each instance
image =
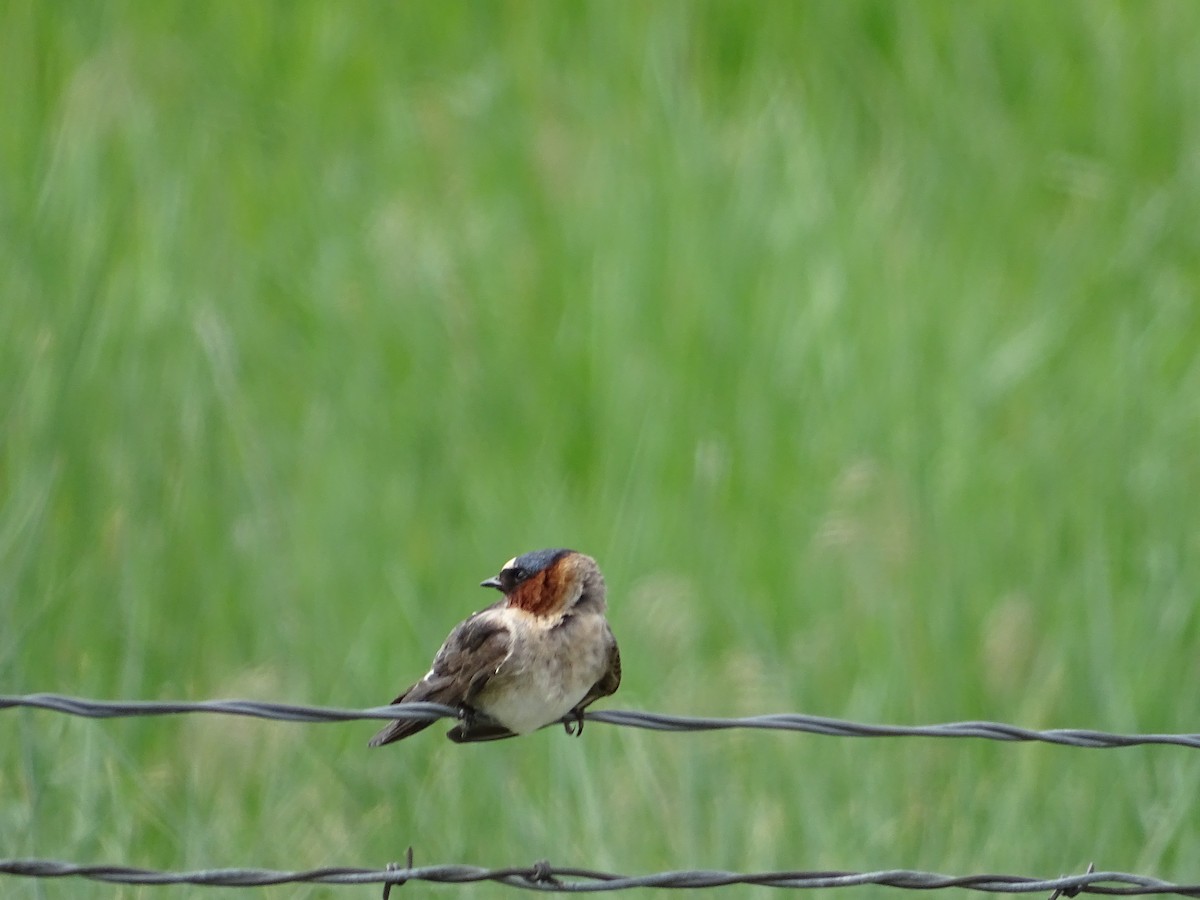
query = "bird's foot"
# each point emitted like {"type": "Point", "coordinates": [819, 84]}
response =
{"type": "Point", "coordinates": [574, 726]}
{"type": "Point", "coordinates": [468, 716]}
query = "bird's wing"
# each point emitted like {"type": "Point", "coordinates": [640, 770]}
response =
{"type": "Point", "coordinates": [471, 655]}
{"type": "Point", "coordinates": [610, 680]}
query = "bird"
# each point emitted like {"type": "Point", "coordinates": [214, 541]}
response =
{"type": "Point", "coordinates": [543, 651]}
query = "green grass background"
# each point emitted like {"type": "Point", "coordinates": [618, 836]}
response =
{"type": "Point", "coordinates": [857, 340]}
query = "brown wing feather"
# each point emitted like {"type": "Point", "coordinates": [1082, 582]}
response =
{"type": "Point", "coordinates": [609, 681]}
{"type": "Point", "coordinates": [464, 664]}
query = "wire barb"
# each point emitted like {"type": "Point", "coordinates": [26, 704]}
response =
{"type": "Point", "coordinates": [393, 867]}
{"type": "Point", "coordinates": [543, 874]}
{"type": "Point", "coordinates": [1058, 892]}
{"type": "Point", "coordinates": [429, 712]}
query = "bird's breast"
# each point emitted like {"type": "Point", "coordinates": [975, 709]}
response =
{"type": "Point", "coordinates": [552, 666]}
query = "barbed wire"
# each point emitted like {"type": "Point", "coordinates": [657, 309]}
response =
{"type": "Point", "coordinates": [542, 876]}
{"type": "Point", "coordinates": [996, 731]}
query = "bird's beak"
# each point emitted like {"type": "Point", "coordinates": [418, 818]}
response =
{"type": "Point", "coordinates": [491, 582]}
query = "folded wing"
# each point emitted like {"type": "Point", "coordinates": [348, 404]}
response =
{"type": "Point", "coordinates": [469, 658]}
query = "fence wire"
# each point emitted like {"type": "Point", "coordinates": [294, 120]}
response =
{"type": "Point", "coordinates": [543, 876]}
{"type": "Point", "coordinates": [995, 731]}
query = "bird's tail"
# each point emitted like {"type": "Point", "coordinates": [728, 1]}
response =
{"type": "Point", "coordinates": [398, 730]}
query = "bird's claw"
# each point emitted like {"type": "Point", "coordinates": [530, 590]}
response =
{"type": "Point", "coordinates": [574, 725]}
{"type": "Point", "coordinates": [467, 716]}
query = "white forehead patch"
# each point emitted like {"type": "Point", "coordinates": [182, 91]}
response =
{"type": "Point", "coordinates": [509, 565]}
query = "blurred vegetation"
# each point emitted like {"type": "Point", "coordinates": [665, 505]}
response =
{"type": "Point", "coordinates": [857, 340]}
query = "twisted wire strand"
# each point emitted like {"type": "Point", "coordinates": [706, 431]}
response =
{"type": "Point", "coordinates": [542, 876]}
{"type": "Point", "coordinates": [995, 731]}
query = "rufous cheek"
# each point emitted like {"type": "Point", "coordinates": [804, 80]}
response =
{"type": "Point", "coordinates": [545, 593]}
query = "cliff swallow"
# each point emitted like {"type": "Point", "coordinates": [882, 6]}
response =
{"type": "Point", "coordinates": [543, 651]}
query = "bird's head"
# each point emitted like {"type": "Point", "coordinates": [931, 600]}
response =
{"type": "Point", "coordinates": [551, 582]}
